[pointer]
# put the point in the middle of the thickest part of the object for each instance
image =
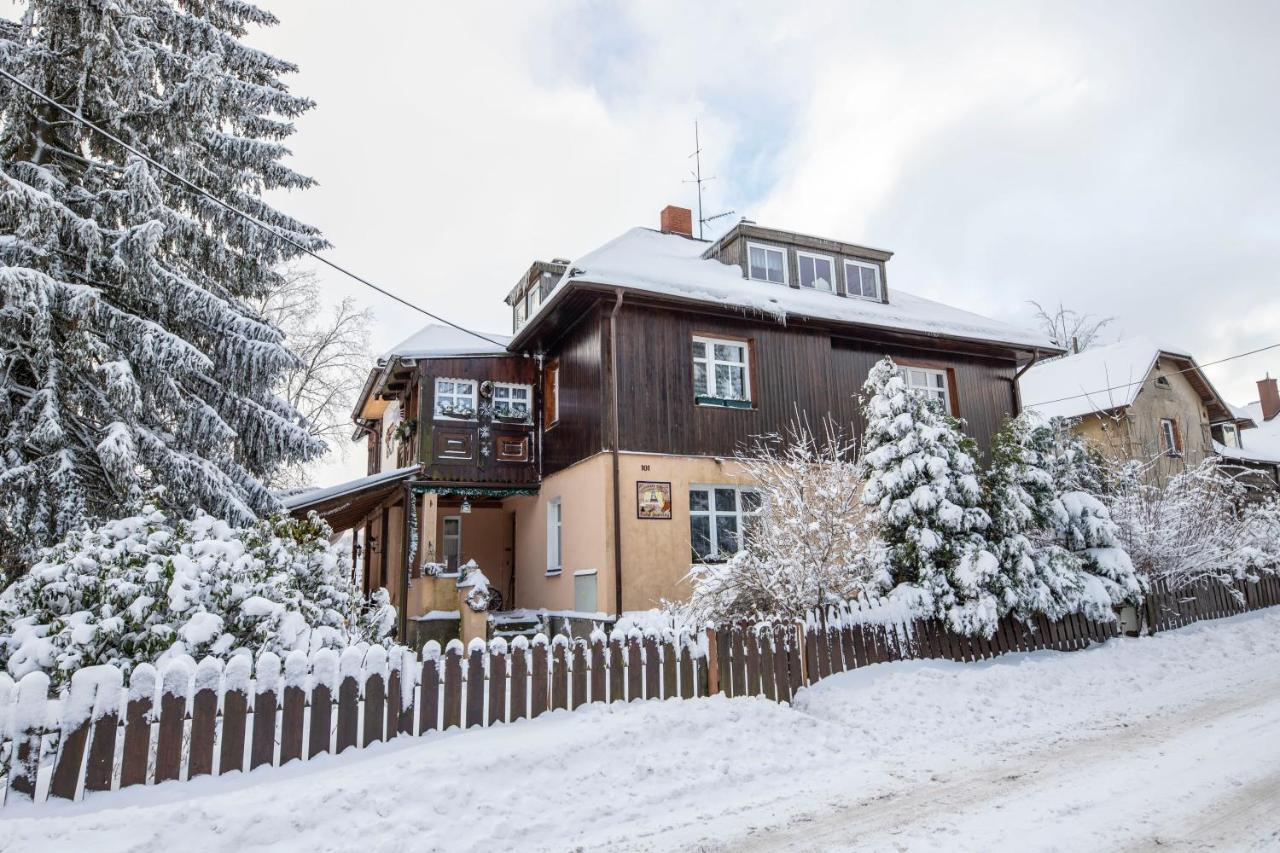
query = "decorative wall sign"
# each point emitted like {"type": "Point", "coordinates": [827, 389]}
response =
{"type": "Point", "coordinates": [653, 500]}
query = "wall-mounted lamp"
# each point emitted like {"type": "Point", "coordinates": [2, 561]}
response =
{"type": "Point", "coordinates": [466, 507]}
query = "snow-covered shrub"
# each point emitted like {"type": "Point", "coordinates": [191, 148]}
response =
{"type": "Point", "coordinates": [805, 546]}
{"type": "Point", "coordinates": [1054, 539]}
{"type": "Point", "coordinates": [1197, 525]}
{"type": "Point", "coordinates": [147, 588]}
{"type": "Point", "coordinates": [922, 487]}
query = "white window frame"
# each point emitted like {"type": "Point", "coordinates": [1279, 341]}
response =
{"type": "Point", "coordinates": [711, 514]}
{"type": "Point", "coordinates": [555, 538]}
{"type": "Point", "coordinates": [815, 256]}
{"type": "Point", "coordinates": [514, 386]}
{"type": "Point", "coordinates": [930, 390]}
{"type": "Point", "coordinates": [711, 362]}
{"type": "Point", "coordinates": [1169, 437]}
{"type": "Point", "coordinates": [1233, 431]}
{"type": "Point", "coordinates": [522, 313]}
{"type": "Point", "coordinates": [786, 277]}
{"type": "Point", "coordinates": [851, 262]}
{"type": "Point", "coordinates": [444, 539]}
{"type": "Point", "coordinates": [534, 297]}
{"type": "Point", "coordinates": [475, 390]}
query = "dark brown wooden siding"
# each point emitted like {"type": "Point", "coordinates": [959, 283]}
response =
{"type": "Point", "coordinates": [437, 439]}
{"type": "Point", "coordinates": [579, 430]}
{"type": "Point", "coordinates": [794, 369]}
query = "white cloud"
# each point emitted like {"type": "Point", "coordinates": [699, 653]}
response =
{"type": "Point", "coordinates": [1120, 158]}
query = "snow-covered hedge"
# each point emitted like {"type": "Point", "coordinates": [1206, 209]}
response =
{"type": "Point", "coordinates": [147, 588]}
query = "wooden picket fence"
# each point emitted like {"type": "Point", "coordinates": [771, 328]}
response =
{"type": "Point", "coordinates": [1165, 609]}
{"type": "Point", "coordinates": [186, 720]}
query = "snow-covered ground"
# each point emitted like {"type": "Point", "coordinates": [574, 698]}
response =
{"type": "Point", "coordinates": [1166, 743]}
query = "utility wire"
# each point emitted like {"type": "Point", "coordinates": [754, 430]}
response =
{"type": "Point", "coordinates": [1194, 368]}
{"type": "Point", "coordinates": [273, 230]}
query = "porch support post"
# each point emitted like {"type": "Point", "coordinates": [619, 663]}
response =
{"type": "Point", "coordinates": [402, 630]}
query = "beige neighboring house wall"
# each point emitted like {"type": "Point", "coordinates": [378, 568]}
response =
{"type": "Point", "coordinates": [655, 552]}
{"type": "Point", "coordinates": [1134, 433]}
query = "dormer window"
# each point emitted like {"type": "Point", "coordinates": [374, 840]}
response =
{"type": "Point", "coordinates": [816, 271]}
{"type": "Point", "coordinates": [766, 263]}
{"type": "Point", "coordinates": [1230, 435]}
{"type": "Point", "coordinates": [862, 279]}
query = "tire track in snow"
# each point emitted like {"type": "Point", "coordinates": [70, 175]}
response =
{"type": "Point", "coordinates": [912, 809]}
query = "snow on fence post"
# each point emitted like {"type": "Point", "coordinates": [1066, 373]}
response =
{"type": "Point", "coordinates": [768, 683]}
{"type": "Point", "coordinates": [617, 668]}
{"type": "Point", "coordinates": [559, 673]}
{"type": "Point", "coordinates": [776, 643]}
{"type": "Point", "coordinates": [349, 697]}
{"type": "Point", "coordinates": [29, 718]}
{"type": "Point", "coordinates": [324, 677]}
{"type": "Point", "coordinates": [235, 712]}
{"type": "Point", "coordinates": [175, 690]}
{"type": "Point", "coordinates": [578, 666]}
{"type": "Point", "coordinates": [686, 675]}
{"type": "Point", "coordinates": [519, 678]}
{"type": "Point", "coordinates": [750, 642]}
{"type": "Point", "coordinates": [74, 719]}
{"type": "Point", "coordinates": [452, 685]}
{"type": "Point", "coordinates": [538, 693]}
{"type": "Point", "coordinates": [599, 673]}
{"type": "Point", "coordinates": [204, 716]}
{"type": "Point", "coordinates": [407, 669]}
{"type": "Point", "coordinates": [106, 716]}
{"type": "Point", "coordinates": [429, 705]}
{"type": "Point", "coordinates": [635, 667]}
{"type": "Point", "coordinates": [374, 668]}
{"type": "Point", "coordinates": [497, 681]}
{"type": "Point", "coordinates": [651, 668]}
{"type": "Point", "coordinates": [265, 702]}
{"type": "Point", "coordinates": [668, 650]}
{"type": "Point", "coordinates": [137, 725]}
{"type": "Point", "coordinates": [475, 682]}
{"type": "Point", "coordinates": [292, 718]}
{"type": "Point", "coordinates": [713, 661]}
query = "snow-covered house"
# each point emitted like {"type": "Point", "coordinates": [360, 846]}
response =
{"type": "Point", "coordinates": [585, 462]}
{"type": "Point", "coordinates": [1259, 449]}
{"type": "Point", "coordinates": [1137, 399]}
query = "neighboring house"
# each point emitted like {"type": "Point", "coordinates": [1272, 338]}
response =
{"type": "Point", "coordinates": [587, 461]}
{"type": "Point", "coordinates": [1259, 451]}
{"type": "Point", "coordinates": [1137, 400]}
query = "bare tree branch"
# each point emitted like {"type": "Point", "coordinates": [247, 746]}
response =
{"type": "Point", "coordinates": [1071, 330]}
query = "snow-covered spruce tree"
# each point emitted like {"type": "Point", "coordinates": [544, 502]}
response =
{"type": "Point", "coordinates": [146, 588]}
{"type": "Point", "coordinates": [1055, 540]}
{"type": "Point", "coordinates": [127, 356]}
{"type": "Point", "coordinates": [922, 486]}
{"type": "Point", "coordinates": [806, 546]}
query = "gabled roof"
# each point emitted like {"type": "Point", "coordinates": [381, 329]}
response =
{"type": "Point", "coordinates": [1108, 378]}
{"type": "Point", "coordinates": [670, 265]}
{"type": "Point", "coordinates": [436, 340]}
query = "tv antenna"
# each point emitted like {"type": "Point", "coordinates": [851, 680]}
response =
{"type": "Point", "coordinates": [699, 180]}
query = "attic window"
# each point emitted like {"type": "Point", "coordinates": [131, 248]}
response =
{"type": "Point", "coordinates": [1163, 382]}
{"type": "Point", "coordinates": [1230, 435]}
{"type": "Point", "coordinates": [862, 279]}
{"type": "Point", "coordinates": [766, 263]}
{"type": "Point", "coordinates": [816, 271]}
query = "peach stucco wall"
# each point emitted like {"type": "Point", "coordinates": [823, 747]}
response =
{"type": "Point", "coordinates": [486, 538]}
{"type": "Point", "coordinates": [655, 553]}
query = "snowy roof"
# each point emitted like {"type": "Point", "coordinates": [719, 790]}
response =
{"type": "Point", "coordinates": [1262, 443]}
{"type": "Point", "coordinates": [435, 340]}
{"type": "Point", "coordinates": [645, 260]}
{"type": "Point", "coordinates": [1096, 380]}
{"type": "Point", "coordinates": [311, 497]}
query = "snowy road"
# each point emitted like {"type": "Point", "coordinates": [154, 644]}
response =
{"type": "Point", "coordinates": [1166, 743]}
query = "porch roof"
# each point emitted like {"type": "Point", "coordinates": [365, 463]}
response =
{"type": "Point", "coordinates": [345, 504]}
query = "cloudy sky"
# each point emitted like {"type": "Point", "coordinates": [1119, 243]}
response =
{"type": "Point", "coordinates": [1119, 158]}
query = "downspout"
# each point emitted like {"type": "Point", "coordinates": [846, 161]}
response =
{"type": "Point", "coordinates": [1017, 392]}
{"type": "Point", "coordinates": [617, 485]}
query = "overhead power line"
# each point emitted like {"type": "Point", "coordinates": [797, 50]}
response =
{"type": "Point", "coordinates": [248, 217]}
{"type": "Point", "coordinates": [1126, 385]}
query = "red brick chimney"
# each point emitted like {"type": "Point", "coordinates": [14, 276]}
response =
{"type": "Point", "coordinates": [677, 220]}
{"type": "Point", "coordinates": [1269, 397]}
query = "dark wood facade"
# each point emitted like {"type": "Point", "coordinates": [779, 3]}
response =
{"type": "Point", "coordinates": [579, 357]}
{"type": "Point", "coordinates": [794, 369]}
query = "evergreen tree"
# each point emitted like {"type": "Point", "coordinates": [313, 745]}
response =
{"type": "Point", "coordinates": [127, 356]}
{"type": "Point", "coordinates": [923, 489]}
